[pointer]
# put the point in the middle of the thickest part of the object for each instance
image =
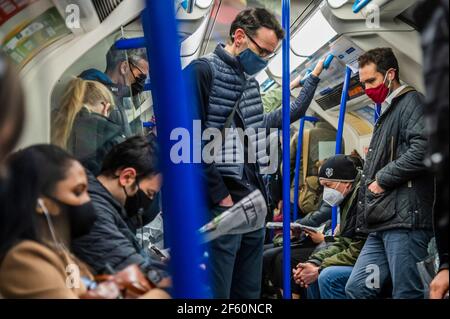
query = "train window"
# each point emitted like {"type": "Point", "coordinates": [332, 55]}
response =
{"type": "Point", "coordinates": [313, 35]}
{"type": "Point", "coordinates": [225, 11]}
{"type": "Point", "coordinates": [101, 99]}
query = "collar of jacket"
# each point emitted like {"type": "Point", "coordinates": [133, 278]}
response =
{"type": "Point", "coordinates": [348, 205]}
{"type": "Point", "coordinates": [85, 112]}
{"type": "Point", "coordinates": [353, 193]}
{"type": "Point", "coordinates": [96, 187]}
{"type": "Point", "coordinates": [226, 57]}
{"type": "Point", "coordinates": [395, 100]}
{"type": "Point", "coordinates": [387, 104]}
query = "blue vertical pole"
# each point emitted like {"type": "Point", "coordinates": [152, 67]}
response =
{"type": "Point", "coordinates": [340, 132]}
{"type": "Point", "coordinates": [377, 112]}
{"type": "Point", "coordinates": [286, 152]}
{"type": "Point", "coordinates": [181, 181]}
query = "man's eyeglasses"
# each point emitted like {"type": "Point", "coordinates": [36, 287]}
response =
{"type": "Point", "coordinates": [142, 73]}
{"type": "Point", "coordinates": [263, 53]}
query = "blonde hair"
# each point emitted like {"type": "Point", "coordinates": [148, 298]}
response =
{"type": "Point", "coordinates": [79, 93]}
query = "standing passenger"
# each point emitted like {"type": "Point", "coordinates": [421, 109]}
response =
{"type": "Point", "coordinates": [125, 75]}
{"type": "Point", "coordinates": [397, 193]}
{"type": "Point", "coordinates": [221, 79]}
{"type": "Point", "coordinates": [81, 125]}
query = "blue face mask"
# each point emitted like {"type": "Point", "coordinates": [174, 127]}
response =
{"type": "Point", "coordinates": [251, 62]}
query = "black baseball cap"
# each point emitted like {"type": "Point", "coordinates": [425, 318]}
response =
{"type": "Point", "coordinates": [339, 168]}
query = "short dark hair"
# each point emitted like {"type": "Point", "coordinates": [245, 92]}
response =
{"type": "Point", "coordinates": [251, 20]}
{"type": "Point", "coordinates": [140, 153]}
{"type": "Point", "coordinates": [383, 58]}
{"type": "Point", "coordinates": [115, 56]}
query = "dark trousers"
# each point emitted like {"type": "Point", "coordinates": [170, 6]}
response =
{"type": "Point", "coordinates": [299, 254]}
{"type": "Point", "coordinates": [236, 266]}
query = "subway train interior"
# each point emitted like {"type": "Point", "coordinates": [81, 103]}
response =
{"type": "Point", "coordinates": [53, 42]}
{"type": "Point", "coordinates": [317, 29]}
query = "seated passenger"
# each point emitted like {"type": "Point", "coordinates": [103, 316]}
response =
{"type": "Point", "coordinates": [326, 272]}
{"type": "Point", "coordinates": [81, 124]}
{"type": "Point", "coordinates": [130, 176]}
{"type": "Point", "coordinates": [48, 207]}
{"type": "Point", "coordinates": [125, 76]}
{"type": "Point", "coordinates": [301, 249]}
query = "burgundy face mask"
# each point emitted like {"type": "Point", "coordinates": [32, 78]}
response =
{"type": "Point", "coordinates": [379, 93]}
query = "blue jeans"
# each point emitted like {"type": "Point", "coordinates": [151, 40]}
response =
{"type": "Point", "coordinates": [391, 254]}
{"type": "Point", "coordinates": [331, 283]}
{"type": "Point", "coordinates": [236, 266]}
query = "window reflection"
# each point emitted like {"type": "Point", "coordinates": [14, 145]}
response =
{"type": "Point", "coordinates": [101, 100]}
{"type": "Point", "coordinates": [227, 10]}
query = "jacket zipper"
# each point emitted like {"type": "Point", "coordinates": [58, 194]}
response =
{"type": "Point", "coordinates": [141, 224]}
{"type": "Point", "coordinates": [413, 203]}
{"type": "Point", "coordinates": [392, 149]}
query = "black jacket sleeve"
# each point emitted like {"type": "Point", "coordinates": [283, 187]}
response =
{"type": "Point", "coordinates": [319, 217]}
{"type": "Point", "coordinates": [199, 80]}
{"type": "Point", "coordinates": [298, 107]}
{"type": "Point", "coordinates": [106, 246]}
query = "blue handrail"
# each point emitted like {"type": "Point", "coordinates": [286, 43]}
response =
{"type": "Point", "coordinates": [327, 63]}
{"type": "Point", "coordinates": [340, 132]}
{"type": "Point", "coordinates": [307, 74]}
{"type": "Point", "coordinates": [359, 5]}
{"type": "Point", "coordinates": [298, 162]}
{"type": "Point", "coordinates": [128, 44]}
{"type": "Point", "coordinates": [286, 152]}
{"type": "Point", "coordinates": [181, 190]}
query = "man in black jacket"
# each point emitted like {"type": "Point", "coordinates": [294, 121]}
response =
{"type": "Point", "coordinates": [397, 193]}
{"type": "Point", "coordinates": [130, 178]}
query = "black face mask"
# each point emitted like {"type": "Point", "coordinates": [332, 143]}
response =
{"type": "Point", "coordinates": [81, 218]}
{"type": "Point", "coordinates": [138, 203]}
{"type": "Point", "coordinates": [139, 85]}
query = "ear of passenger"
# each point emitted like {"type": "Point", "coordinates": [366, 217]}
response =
{"type": "Point", "coordinates": [128, 182]}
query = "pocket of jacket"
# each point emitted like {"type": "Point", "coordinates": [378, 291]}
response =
{"type": "Point", "coordinates": [380, 208]}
